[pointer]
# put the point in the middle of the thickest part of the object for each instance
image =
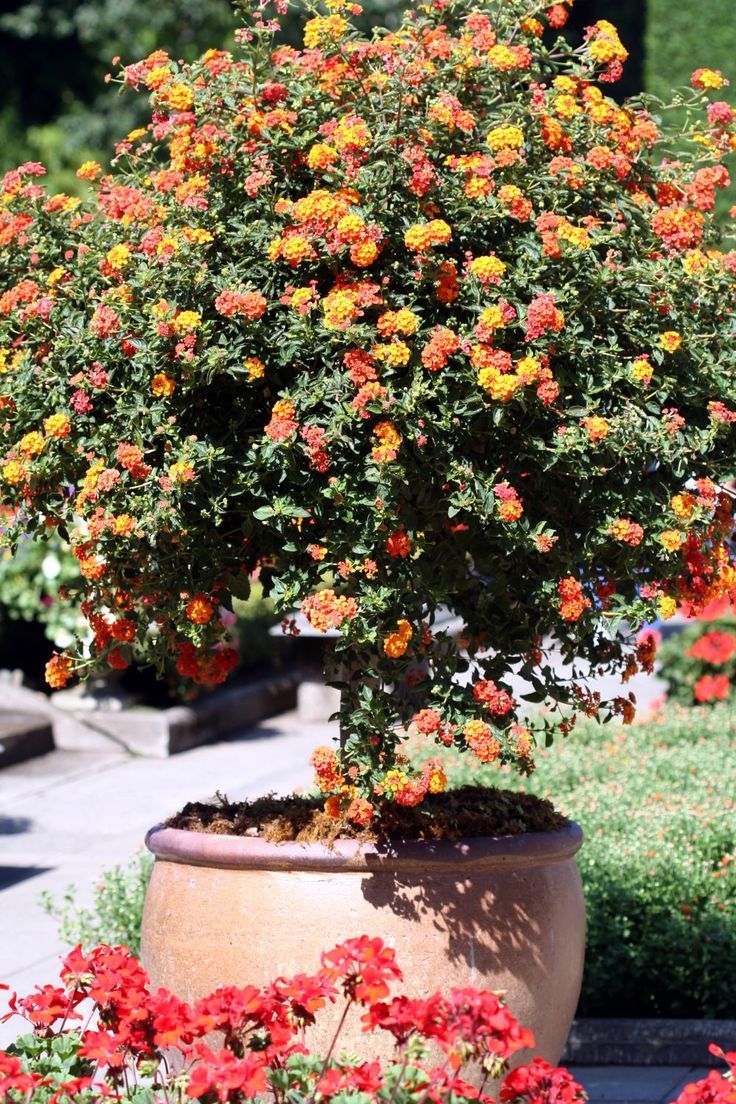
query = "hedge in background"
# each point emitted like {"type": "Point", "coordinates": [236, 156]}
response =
{"type": "Point", "coordinates": [54, 106]}
{"type": "Point", "coordinates": [659, 859]}
{"type": "Point", "coordinates": [681, 37]}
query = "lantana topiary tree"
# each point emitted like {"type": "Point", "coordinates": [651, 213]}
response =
{"type": "Point", "coordinates": [407, 323]}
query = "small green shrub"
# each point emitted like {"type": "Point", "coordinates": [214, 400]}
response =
{"type": "Point", "coordinates": [255, 616]}
{"type": "Point", "coordinates": [114, 917]}
{"type": "Point", "coordinates": [32, 584]}
{"type": "Point", "coordinates": [656, 802]}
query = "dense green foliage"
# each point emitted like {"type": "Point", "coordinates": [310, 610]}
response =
{"type": "Point", "coordinates": [30, 585]}
{"type": "Point", "coordinates": [526, 476]}
{"type": "Point", "coordinates": [681, 37]}
{"type": "Point", "coordinates": [55, 54]}
{"type": "Point", "coordinates": [659, 859]}
{"type": "Point", "coordinates": [54, 57]}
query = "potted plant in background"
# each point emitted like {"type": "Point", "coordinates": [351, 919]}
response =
{"type": "Point", "coordinates": [404, 324]}
{"type": "Point", "coordinates": [32, 619]}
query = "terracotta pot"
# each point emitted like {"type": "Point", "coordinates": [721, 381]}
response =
{"type": "Point", "coordinates": [503, 914]}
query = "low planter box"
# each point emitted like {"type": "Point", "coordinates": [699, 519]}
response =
{"type": "Point", "coordinates": [23, 736]}
{"type": "Point", "coordinates": [649, 1042]}
{"type": "Point", "coordinates": [159, 733]}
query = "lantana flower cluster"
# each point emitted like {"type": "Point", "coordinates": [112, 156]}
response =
{"type": "Point", "coordinates": [407, 324]}
{"type": "Point", "coordinates": [103, 1033]}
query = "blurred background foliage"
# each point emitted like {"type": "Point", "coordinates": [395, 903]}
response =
{"type": "Point", "coordinates": [680, 36]}
{"type": "Point", "coordinates": [54, 54]}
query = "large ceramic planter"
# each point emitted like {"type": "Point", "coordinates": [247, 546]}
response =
{"type": "Point", "coordinates": [504, 914]}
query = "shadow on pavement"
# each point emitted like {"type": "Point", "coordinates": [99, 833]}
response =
{"type": "Point", "coordinates": [14, 826]}
{"type": "Point", "coordinates": [11, 875]}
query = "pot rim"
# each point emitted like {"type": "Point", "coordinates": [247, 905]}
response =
{"type": "Point", "coordinates": [349, 855]}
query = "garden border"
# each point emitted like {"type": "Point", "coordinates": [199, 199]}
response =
{"type": "Point", "coordinates": [647, 1042]}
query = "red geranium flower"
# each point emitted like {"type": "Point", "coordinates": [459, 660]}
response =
{"type": "Point", "coordinates": [365, 965]}
{"type": "Point", "coordinates": [714, 647]}
{"type": "Point", "coordinates": [712, 688]}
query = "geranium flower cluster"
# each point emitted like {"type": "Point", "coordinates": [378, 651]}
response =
{"type": "Point", "coordinates": [699, 663]}
{"type": "Point", "coordinates": [404, 324]}
{"type": "Point", "coordinates": [717, 1087]}
{"type": "Point", "coordinates": [113, 1037]}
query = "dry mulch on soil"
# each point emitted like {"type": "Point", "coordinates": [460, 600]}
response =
{"type": "Point", "coordinates": [456, 814]}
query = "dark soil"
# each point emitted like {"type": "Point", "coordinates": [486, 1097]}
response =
{"type": "Point", "coordinates": [456, 814]}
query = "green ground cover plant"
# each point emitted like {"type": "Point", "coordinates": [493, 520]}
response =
{"type": "Point", "coordinates": [114, 915]}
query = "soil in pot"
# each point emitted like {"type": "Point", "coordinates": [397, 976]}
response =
{"type": "Point", "coordinates": [468, 811]}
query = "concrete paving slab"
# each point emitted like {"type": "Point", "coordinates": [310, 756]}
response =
{"type": "Point", "coordinates": [56, 768]}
